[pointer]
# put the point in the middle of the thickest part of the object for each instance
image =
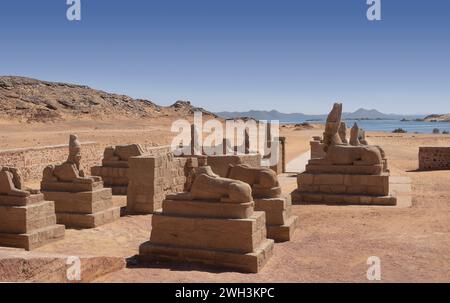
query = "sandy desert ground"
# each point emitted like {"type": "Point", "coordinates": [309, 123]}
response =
{"type": "Point", "coordinates": [331, 244]}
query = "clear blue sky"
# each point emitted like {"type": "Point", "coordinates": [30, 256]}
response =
{"type": "Point", "coordinates": [289, 55]}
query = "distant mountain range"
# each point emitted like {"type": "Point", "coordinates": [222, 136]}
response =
{"type": "Point", "coordinates": [360, 114]}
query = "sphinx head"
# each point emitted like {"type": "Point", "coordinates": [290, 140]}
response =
{"type": "Point", "coordinates": [331, 136]}
{"type": "Point", "coordinates": [74, 150]}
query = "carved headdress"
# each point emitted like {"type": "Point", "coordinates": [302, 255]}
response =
{"type": "Point", "coordinates": [74, 149]}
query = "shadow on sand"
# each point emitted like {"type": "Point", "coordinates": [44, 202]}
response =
{"type": "Point", "coordinates": [133, 262]}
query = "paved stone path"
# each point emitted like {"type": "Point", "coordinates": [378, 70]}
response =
{"type": "Point", "coordinates": [298, 164]}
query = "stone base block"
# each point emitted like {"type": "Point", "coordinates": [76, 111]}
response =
{"type": "Point", "coordinates": [283, 233]}
{"type": "Point", "coordinates": [233, 235]}
{"type": "Point", "coordinates": [34, 239]}
{"type": "Point", "coordinates": [113, 164]}
{"type": "Point", "coordinates": [189, 208]}
{"type": "Point", "coordinates": [81, 203]}
{"type": "Point", "coordinates": [365, 185]}
{"type": "Point", "coordinates": [82, 221]}
{"type": "Point", "coordinates": [299, 197]}
{"type": "Point", "coordinates": [71, 187]}
{"type": "Point", "coordinates": [247, 262]}
{"type": "Point", "coordinates": [24, 219]}
{"type": "Point", "coordinates": [119, 190]}
{"type": "Point", "coordinates": [148, 207]}
{"type": "Point", "coordinates": [314, 167]}
{"type": "Point", "coordinates": [277, 210]}
{"type": "Point", "coordinates": [279, 220]}
{"type": "Point", "coordinates": [20, 201]}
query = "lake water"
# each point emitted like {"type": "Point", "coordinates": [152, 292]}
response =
{"type": "Point", "coordinates": [390, 125]}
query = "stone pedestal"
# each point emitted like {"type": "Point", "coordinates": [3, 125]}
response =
{"type": "Point", "coordinates": [150, 179]}
{"type": "Point", "coordinates": [333, 188]}
{"type": "Point", "coordinates": [220, 234]}
{"type": "Point", "coordinates": [280, 222]}
{"type": "Point", "coordinates": [28, 222]}
{"type": "Point", "coordinates": [81, 205]}
{"type": "Point", "coordinates": [317, 146]}
{"type": "Point", "coordinates": [114, 175]}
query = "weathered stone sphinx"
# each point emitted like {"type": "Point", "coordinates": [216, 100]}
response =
{"type": "Point", "coordinates": [114, 169]}
{"type": "Point", "coordinates": [266, 192]}
{"type": "Point", "coordinates": [81, 201]}
{"type": "Point", "coordinates": [264, 181]}
{"type": "Point", "coordinates": [26, 219]}
{"type": "Point", "coordinates": [348, 173]}
{"type": "Point", "coordinates": [214, 223]}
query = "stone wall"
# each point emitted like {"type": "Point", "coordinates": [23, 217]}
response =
{"type": "Point", "coordinates": [151, 178]}
{"type": "Point", "coordinates": [434, 158]}
{"type": "Point", "coordinates": [32, 161]}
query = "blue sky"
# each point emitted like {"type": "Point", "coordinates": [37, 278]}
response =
{"type": "Point", "coordinates": [288, 55]}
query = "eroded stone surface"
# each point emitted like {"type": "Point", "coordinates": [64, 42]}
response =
{"type": "Point", "coordinates": [346, 173]}
{"type": "Point", "coordinates": [80, 200]}
{"type": "Point", "coordinates": [213, 223]}
{"type": "Point", "coordinates": [26, 219]}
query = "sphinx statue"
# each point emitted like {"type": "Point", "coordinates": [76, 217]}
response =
{"type": "Point", "coordinates": [346, 173]}
{"type": "Point", "coordinates": [354, 135]}
{"type": "Point", "coordinates": [264, 181]}
{"type": "Point", "coordinates": [206, 187]}
{"type": "Point", "coordinates": [362, 137]}
{"type": "Point", "coordinates": [343, 132]}
{"type": "Point", "coordinates": [122, 152]}
{"type": "Point", "coordinates": [340, 153]}
{"type": "Point", "coordinates": [204, 184]}
{"type": "Point", "coordinates": [11, 183]}
{"type": "Point", "coordinates": [69, 171]}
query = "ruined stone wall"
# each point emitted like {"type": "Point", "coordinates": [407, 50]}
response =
{"type": "Point", "coordinates": [32, 161]}
{"type": "Point", "coordinates": [434, 158]}
{"type": "Point", "coordinates": [155, 150]}
{"type": "Point", "coordinates": [151, 178]}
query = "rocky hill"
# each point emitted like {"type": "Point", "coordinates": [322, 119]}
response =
{"type": "Point", "coordinates": [30, 100]}
{"type": "Point", "coordinates": [437, 118]}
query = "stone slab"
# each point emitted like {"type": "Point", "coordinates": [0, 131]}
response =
{"type": "Point", "coordinates": [115, 164]}
{"type": "Point", "coordinates": [374, 185]}
{"type": "Point", "coordinates": [341, 199]}
{"type": "Point", "coordinates": [283, 233]}
{"type": "Point", "coordinates": [193, 208]}
{"type": "Point", "coordinates": [277, 210]}
{"type": "Point", "coordinates": [343, 169]}
{"type": "Point", "coordinates": [84, 221]}
{"type": "Point", "coordinates": [34, 239]}
{"type": "Point", "coordinates": [119, 190]}
{"type": "Point", "coordinates": [251, 262]}
{"type": "Point", "coordinates": [71, 187]}
{"type": "Point", "coordinates": [234, 235]}
{"type": "Point", "coordinates": [20, 201]}
{"type": "Point", "coordinates": [82, 202]}
{"type": "Point", "coordinates": [23, 219]}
